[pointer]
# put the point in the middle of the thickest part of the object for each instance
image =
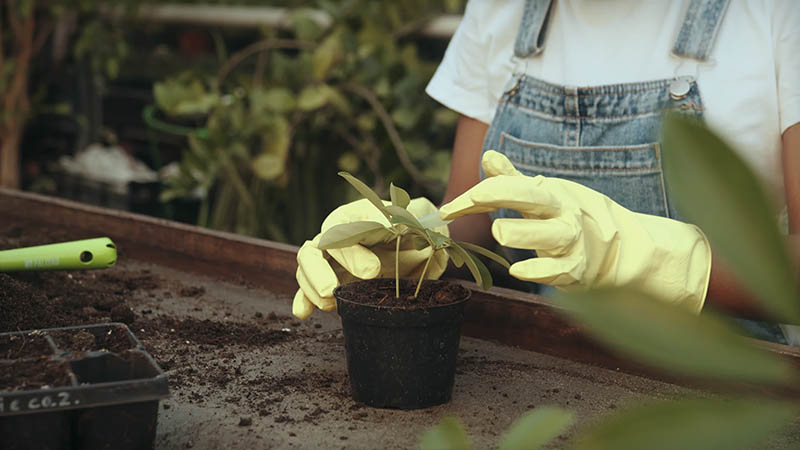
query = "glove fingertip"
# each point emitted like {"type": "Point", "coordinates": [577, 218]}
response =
{"type": "Point", "coordinates": [301, 307]}
{"type": "Point", "coordinates": [495, 163]}
{"type": "Point", "coordinates": [329, 305]}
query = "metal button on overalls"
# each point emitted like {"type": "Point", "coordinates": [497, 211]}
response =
{"type": "Point", "coordinates": [679, 88]}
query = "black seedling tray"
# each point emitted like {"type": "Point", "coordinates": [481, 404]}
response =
{"type": "Point", "coordinates": [84, 387]}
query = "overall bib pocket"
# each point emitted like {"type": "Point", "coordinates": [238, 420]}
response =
{"type": "Point", "coordinates": [631, 175]}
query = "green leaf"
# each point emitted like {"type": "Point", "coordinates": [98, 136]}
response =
{"type": "Point", "coordinates": [449, 434]}
{"type": "Point", "coordinates": [397, 211]}
{"type": "Point", "coordinates": [486, 276]}
{"type": "Point", "coordinates": [347, 234]}
{"type": "Point", "coordinates": [475, 266]}
{"type": "Point", "coordinates": [325, 55]}
{"type": "Point", "coordinates": [314, 97]}
{"type": "Point", "coordinates": [348, 162]}
{"type": "Point", "coordinates": [487, 253]}
{"type": "Point", "coordinates": [419, 242]}
{"type": "Point", "coordinates": [305, 24]}
{"type": "Point", "coordinates": [708, 424]}
{"type": "Point", "coordinates": [399, 196]}
{"type": "Point", "coordinates": [339, 101]}
{"type": "Point", "coordinates": [366, 122]}
{"type": "Point", "coordinates": [182, 97]}
{"type": "Point", "coordinates": [271, 163]}
{"type": "Point", "coordinates": [433, 220]}
{"type": "Point", "coordinates": [278, 99]}
{"type": "Point", "coordinates": [368, 193]}
{"type": "Point", "coordinates": [439, 240]}
{"type": "Point", "coordinates": [456, 256]}
{"type": "Point", "coordinates": [397, 219]}
{"type": "Point", "coordinates": [268, 166]}
{"type": "Point", "coordinates": [536, 428]}
{"type": "Point", "coordinates": [643, 327]}
{"type": "Point", "coordinates": [405, 118]}
{"type": "Point", "coordinates": [715, 189]}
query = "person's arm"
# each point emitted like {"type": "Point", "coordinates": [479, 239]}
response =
{"type": "Point", "coordinates": [724, 292]}
{"type": "Point", "coordinates": [464, 173]}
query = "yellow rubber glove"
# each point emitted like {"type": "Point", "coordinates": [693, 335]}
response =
{"type": "Point", "coordinates": [585, 239]}
{"type": "Point", "coordinates": [320, 271]}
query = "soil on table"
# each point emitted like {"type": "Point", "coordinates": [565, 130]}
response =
{"type": "Point", "coordinates": [382, 292]}
{"type": "Point", "coordinates": [24, 346]}
{"type": "Point", "coordinates": [182, 346]}
{"type": "Point", "coordinates": [82, 340]}
{"type": "Point", "coordinates": [34, 374]}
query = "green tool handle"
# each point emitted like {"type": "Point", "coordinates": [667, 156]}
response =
{"type": "Point", "coordinates": [98, 253]}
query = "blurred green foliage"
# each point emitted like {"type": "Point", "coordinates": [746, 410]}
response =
{"type": "Point", "coordinates": [756, 392]}
{"type": "Point", "coordinates": [71, 28]}
{"type": "Point", "coordinates": [282, 112]}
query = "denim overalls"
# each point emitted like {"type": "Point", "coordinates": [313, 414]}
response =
{"type": "Point", "coordinates": [604, 137]}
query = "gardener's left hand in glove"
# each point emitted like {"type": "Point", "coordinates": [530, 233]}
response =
{"type": "Point", "coordinates": [320, 271]}
{"type": "Point", "coordinates": [585, 239]}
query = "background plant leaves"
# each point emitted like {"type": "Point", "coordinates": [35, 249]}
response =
{"type": "Point", "coordinates": [715, 189]}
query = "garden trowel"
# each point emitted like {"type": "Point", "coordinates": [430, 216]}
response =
{"type": "Point", "coordinates": [97, 253]}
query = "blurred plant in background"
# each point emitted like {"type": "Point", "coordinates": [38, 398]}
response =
{"type": "Point", "coordinates": [265, 129]}
{"type": "Point", "coordinates": [27, 28]}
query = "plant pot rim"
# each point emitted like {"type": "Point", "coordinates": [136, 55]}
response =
{"type": "Point", "coordinates": [340, 288]}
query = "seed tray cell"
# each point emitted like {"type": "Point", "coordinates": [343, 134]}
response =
{"type": "Point", "coordinates": [85, 387]}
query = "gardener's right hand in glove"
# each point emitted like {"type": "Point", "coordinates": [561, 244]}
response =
{"type": "Point", "coordinates": [585, 239]}
{"type": "Point", "coordinates": [320, 271]}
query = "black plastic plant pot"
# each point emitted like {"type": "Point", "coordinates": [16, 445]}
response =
{"type": "Point", "coordinates": [400, 357]}
{"type": "Point", "coordinates": [84, 387]}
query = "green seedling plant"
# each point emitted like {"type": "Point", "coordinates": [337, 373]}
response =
{"type": "Point", "coordinates": [403, 224]}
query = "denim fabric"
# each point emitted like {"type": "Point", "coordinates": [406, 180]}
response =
{"type": "Point", "coordinates": [697, 33]}
{"type": "Point", "coordinates": [695, 37]}
{"type": "Point", "coordinates": [604, 137]}
{"type": "Point", "coordinates": [533, 28]}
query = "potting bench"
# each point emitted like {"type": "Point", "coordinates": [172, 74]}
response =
{"type": "Point", "coordinates": [517, 352]}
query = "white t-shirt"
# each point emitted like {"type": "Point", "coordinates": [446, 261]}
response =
{"type": "Point", "coordinates": [750, 87]}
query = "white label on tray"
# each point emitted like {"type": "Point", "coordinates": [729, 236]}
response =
{"type": "Point", "coordinates": [54, 400]}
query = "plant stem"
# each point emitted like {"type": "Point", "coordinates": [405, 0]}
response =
{"type": "Point", "coordinates": [424, 270]}
{"type": "Point", "coordinates": [391, 130]}
{"type": "Point", "coordinates": [256, 47]}
{"type": "Point", "coordinates": [397, 268]}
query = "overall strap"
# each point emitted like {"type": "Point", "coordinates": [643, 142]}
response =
{"type": "Point", "coordinates": [699, 29]}
{"type": "Point", "coordinates": [530, 36]}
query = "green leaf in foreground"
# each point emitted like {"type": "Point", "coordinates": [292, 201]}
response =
{"type": "Point", "coordinates": [347, 234]}
{"type": "Point", "coordinates": [439, 240]}
{"type": "Point", "coordinates": [715, 189]}
{"type": "Point", "coordinates": [368, 193]}
{"type": "Point", "coordinates": [408, 218]}
{"type": "Point", "coordinates": [708, 424]}
{"type": "Point", "coordinates": [487, 253]}
{"type": "Point", "coordinates": [399, 196]}
{"type": "Point", "coordinates": [449, 434]}
{"type": "Point", "coordinates": [645, 328]}
{"type": "Point", "coordinates": [477, 268]}
{"type": "Point", "coordinates": [485, 281]}
{"type": "Point", "coordinates": [536, 428]}
{"type": "Point", "coordinates": [455, 255]}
